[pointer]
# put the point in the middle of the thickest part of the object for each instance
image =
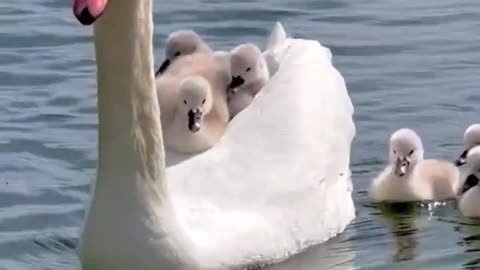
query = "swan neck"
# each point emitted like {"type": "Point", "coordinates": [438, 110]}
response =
{"type": "Point", "coordinates": [130, 137]}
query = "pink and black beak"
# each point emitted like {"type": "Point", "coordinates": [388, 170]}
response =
{"type": "Point", "coordinates": [194, 120]}
{"type": "Point", "coordinates": [462, 159]}
{"type": "Point", "coordinates": [88, 11]}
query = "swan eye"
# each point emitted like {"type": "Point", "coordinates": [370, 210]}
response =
{"type": "Point", "coordinates": [395, 152]}
{"type": "Point", "coordinates": [248, 69]}
{"type": "Point", "coordinates": [184, 101]}
{"type": "Point", "coordinates": [411, 152]}
{"type": "Point", "coordinates": [203, 102]}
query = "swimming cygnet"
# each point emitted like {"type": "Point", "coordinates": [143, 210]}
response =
{"type": "Point", "coordinates": [181, 43]}
{"type": "Point", "coordinates": [249, 74]}
{"type": "Point", "coordinates": [469, 202]}
{"type": "Point", "coordinates": [471, 139]}
{"type": "Point", "coordinates": [409, 177]}
{"type": "Point", "coordinates": [194, 126]}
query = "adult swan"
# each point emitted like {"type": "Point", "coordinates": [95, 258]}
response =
{"type": "Point", "coordinates": [275, 184]}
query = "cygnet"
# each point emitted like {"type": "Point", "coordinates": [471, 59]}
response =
{"type": "Point", "coordinates": [469, 202]}
{"type": "Point", "coordinates": [249, 74]}
{"type": "Point", "coordinates": [193, 76]}
{"type": "Point", "coordinates": [193, 128]}
{"type": "Point", "coordinates": [471, 139]}
{"type": "Point", "coordinates": [409, 177]}
{"type": "Point", "coordinates": [181, 43]}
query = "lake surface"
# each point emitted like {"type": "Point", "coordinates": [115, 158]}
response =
{"type": "Point", "coordinates": [407, 64]}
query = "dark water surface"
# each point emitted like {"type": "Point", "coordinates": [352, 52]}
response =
{"type": "Point", "coordinates": [407, 64]}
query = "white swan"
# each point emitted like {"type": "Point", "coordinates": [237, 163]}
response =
{"type": "Point", "coordinates": [469, 202]}
{"type": "Point", "coordinates": [411, 178]}
{"type": "Point", "coordinates": [181, 43]}
{"type": "Point", "coordinates": [275, 184]}
{"type": "Point", "coordinates": [249, 72]}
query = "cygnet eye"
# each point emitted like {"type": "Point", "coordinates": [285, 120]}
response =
{"type": "Point", "coordinates": [395, 152]}
{"type": "Point", "coordinates": [177, 54]}
{"type": "Point", "coordinates": [184, 101]}
{"type": "Point", "coordinates": [203, 101]}
{"type": "Point", "coordinates": [248, 69]}
{"type": "Point", "coordinates": [411, 152]}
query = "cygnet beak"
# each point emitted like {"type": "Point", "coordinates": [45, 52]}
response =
{"type": "Point", "coordinates": [163, 67]}
{"type": "Point", "coordinates": [194, 119]}
{"type": "Point", "coordinates": [470, 182]}
{"type": "Point", "coordinates": [401, 166]}
{"type": "Point", "coordinates": [236, 82]}
{"type": "Point", "coordinates": [462, 159]}
{"type": "Point", "coordinates": [88, 11]}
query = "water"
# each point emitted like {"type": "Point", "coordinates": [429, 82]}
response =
{"type": "Point", "coordinates": [407, 64]}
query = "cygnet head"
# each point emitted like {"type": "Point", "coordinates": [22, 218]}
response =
{"type": "Point", "coordinates": [247, 65]}
{"type": "Point", "coordinates": [471, 139]}
{"type": "Point", "coordinates": [472, 169]}
{"type": "Point", "coordinates": [195, 100]}
{"type": "Point", "coordinates": [181, 43]}
{"type": "Point", "coordinates": [406, 150]}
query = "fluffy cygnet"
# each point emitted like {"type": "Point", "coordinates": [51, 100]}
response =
{"type": "Point", "coordinates": [193, 128]}
{"type": "Point", "coordinates": [471, 139]}
{"type": "Point", "coordinates": [181, 43]}
{"type": "Point", "coordinates": [409, 177]}
{"type": "Point", "coordinates": [469, 203]}
{"type": "Point", "coordinates": [249, 74]}
{"type": "Point", "coordinates": [198, 77]}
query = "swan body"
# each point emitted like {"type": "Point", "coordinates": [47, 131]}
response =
{"type": "Point", "coordinates": [409, 177]}
{"type": "Point", "coordinates": [222, 208]}
{"type": "Point", "coordinates": [251, 211]}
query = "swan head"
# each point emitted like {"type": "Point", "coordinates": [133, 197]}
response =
{"type": "Point", "coordinates": [472, 169]}
{"type": "Point", "coordinates": [181, 43]}
{"type": "Point", "coordinates": [471, 139]}
{"type": "Point", "coordinates": [88, 11]}
{"type": "Point", "coordinates": [247, 65]}
{"type": "Point", "coordinates": [405, 151]}
{"type": "Point", "coordinates": [195, 97]}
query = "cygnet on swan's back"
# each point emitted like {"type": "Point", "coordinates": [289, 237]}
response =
{"type": "Point", "coordinates": [249, 72]}
{"type": "Point", "coordinates": [469, 202]}
{"type": "Point", "coordinates": [181, 43]}
{"type": "Point", "coordinates": [169, 88]}
{"type": "Point", "coordinates": [409, 177]}
{"type": "Point", "coordinates": [471, 138]}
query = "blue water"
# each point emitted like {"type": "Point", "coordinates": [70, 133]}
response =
{"type": "Point", "coordinates": [407, 64]}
